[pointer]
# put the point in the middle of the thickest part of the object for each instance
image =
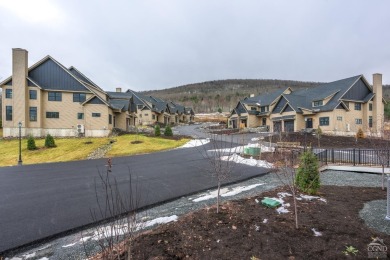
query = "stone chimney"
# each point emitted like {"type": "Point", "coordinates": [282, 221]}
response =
{"type": "Point", "coordinates": [19, 86]}
{"type": "Point", "coordinates": [377, 108]}
{"type": "Point", "coordinates": [118, 89]}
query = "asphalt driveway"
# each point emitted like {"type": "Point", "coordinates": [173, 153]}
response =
{"type": "Point", "coordinates": [47, 200]}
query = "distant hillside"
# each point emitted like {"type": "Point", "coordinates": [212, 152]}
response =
{"type": "Point", "coordinates": [224, 94]}
{"type": "Point", "coordinates": [211, 95]}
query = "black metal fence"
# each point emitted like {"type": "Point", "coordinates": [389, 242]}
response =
{"type": "Point", "coordinates": [368, 157]}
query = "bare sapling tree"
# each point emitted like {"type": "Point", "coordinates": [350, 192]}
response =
{"type": "Point", "coordinates": [119, 211]}
{"type": "Point", "coordinates": [285, 170]}
{"type": "Point", "coordinates": [319, 133]}
{"type": "Point", "coordinates": [220, 154]}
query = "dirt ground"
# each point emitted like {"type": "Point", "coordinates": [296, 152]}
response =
{"type": "Point", "coordinates": [240, 232]}
{"type": "Point", "coordinates": [328, 141]}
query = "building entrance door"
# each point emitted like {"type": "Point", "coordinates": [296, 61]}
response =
{"type": "Point", "coordinates": [309, 122]}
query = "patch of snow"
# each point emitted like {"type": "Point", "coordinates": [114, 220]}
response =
{"type": "Point", "coordinates": [251, 162]}
{"type": "Point", "coordinates": [44, 247]}
{"type": "Point", "coordinates": [210, 195]}
{"type": "Point", "coordinates": [316, 233]}
{"type": "Point", "coordinates": [225, 192]}
{"type": "Point", "coordinates": [14, 258]}
{"type": "Point", "coordinates": [83, 239]}
{"type": "Point", "coordinates": [161, 220]}
{"type": "Point", "coordinates": [255, 139]}
{"type": "Point", "coordinates": [308, 197]}
{"type": "Point", "coordinates": [232, 150]}
{"type": "Point", "coordinates": [195, 143]}
{"type": "Point", "coordinates": [265, 220]}
{"type": "Point", "coordinates": [284, 194]}
{"type": "Point", "coordinates": [69, 245]}
{"type": "Point", "coordinates": [257, 228]}
{"type": "Point", "coordinates": [257, 201]}
{"type": "Point", "coordinates": [263, 148]}
{"type": "Point", "coordinates": [282, 209]}
{"type": "Point", "coordinates": [27, 256]}
{"type": "Point", "coordinates": [240, 189]}
{"type": "Point", "coordinates": [43, 258]}
{"type": "Point", "coordinates": [218, 240]}
{"type": "Point", "coordinates": [119, 230]}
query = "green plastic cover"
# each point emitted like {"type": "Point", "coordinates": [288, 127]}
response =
{"type": "Point", "coordinates": [270, 203]}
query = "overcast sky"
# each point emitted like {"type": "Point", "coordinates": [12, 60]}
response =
{"type": "Point", "coordinates": [146, 45]}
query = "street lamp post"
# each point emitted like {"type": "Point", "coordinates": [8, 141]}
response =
{"type": "Point", "coordinates": [388, 198]}
{"type": "Point", "coordinates": [20, 162]}
{"type": "Point", "coordinates": [305, 134]}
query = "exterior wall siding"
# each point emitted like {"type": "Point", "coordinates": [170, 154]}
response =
{"type": "Point", "coordinates": [67, 111]}
{"type": "Point", "coordinates": [96, 123]}
{"type": "Point", "coordinates": [120, 120]}
{"type": "Point", "coordinates": [253, 121]}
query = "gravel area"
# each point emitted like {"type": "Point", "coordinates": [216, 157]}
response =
{"type": "Point", "coordinates": [72, 247]}
{"type": "Point", "coordinates": [342, 178]}
{"type": "Point", "coordinates": [100, 152]}
{"type": "Point", "coordinates": [373, 214]}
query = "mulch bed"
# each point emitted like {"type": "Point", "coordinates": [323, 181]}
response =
{"type": "Point", "coordinates": [232, 234]}
{"type": "Point", "coordinates": [328, 141]}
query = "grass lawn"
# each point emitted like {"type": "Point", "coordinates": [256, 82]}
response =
{"type": "Point", "coordinates": [68, 149]}
{"type": "Point", "coordinates": [123, 146]}
{"type": "Point", "coordinates": [71, 149]}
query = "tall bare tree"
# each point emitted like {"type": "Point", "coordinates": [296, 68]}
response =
{"type": "Point", "coordinates": [285, 170]}
{"type": "Point", "coordinates": [116, 237]}
{"type": "Point", "coordinates": [220, 154]}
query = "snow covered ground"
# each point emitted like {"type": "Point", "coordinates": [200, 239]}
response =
{"type": "Point", "coordinates": [195, 143]}
{"type": "Point", "coordinates": [251, 162]}
{"type": "Point", "coordinates": [225, 192]}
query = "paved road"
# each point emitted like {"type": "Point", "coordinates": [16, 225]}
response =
{"type": "Point", "coordinates": [39, 201]}
{"type": "Point", "coordinates": [196, 132]}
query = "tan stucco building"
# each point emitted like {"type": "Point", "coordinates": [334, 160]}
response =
{"type": "Point", "coordinates": [48, 98]}
{"type": "Point", "coordinates": [341, 107]}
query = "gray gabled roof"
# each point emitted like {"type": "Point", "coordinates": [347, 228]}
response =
{"type": "Point", "coordinates": [119, 95]}
{"type": "Point", "coordinates": [336, 88]}
{"type": "Point", "coordinates": [155, 104]}
{"type": "Point", "coordinates": [84, 78]}
{"type": "Point", "coordinates": [265, 99]}
{"type": "Point", "coordinates": [120, 104]}
{"type": "Point", "coordinates": [51, 75]}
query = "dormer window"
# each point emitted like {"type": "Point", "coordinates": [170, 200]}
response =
{"type": "Point", "coordinates": [264, 109]}
{"type": "Point", "coordinates": [140, 106]}
{"type": "Point", "coordinates": [318, 103]}
{"type": "Point", "coordinates": [253, 108]}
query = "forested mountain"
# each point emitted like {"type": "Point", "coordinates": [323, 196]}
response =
{"type": "Point", "coordinates": [224, 94]}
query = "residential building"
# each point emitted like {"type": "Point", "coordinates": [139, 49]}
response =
{"type": "Point", "coordinates": [48, 98]}
{"type": "Point", "coordinates": [341, 107]}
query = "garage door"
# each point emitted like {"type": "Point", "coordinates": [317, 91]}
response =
{"type": "Point", "coordinates": [289, 126]}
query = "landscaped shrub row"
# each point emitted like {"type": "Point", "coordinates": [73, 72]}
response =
{"type": "Point", "coordinates": [49, 142]}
